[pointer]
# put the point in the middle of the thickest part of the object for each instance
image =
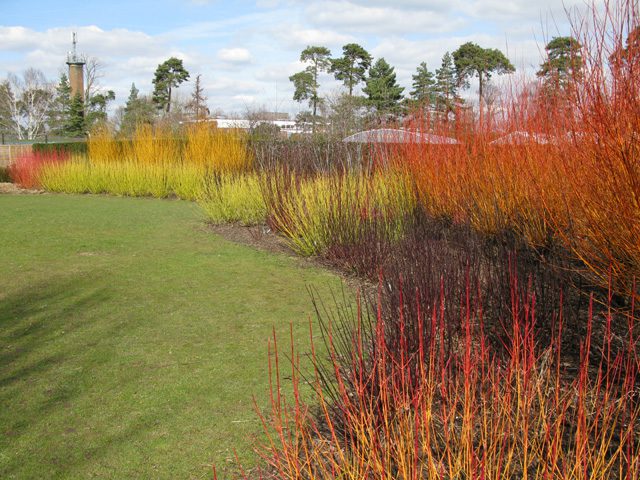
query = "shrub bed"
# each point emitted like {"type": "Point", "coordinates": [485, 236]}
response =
{"type": "Point", "coordinates": [68, 148]}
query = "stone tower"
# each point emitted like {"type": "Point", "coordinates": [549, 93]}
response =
{"type": "Point", "coordinates": [76, 70]}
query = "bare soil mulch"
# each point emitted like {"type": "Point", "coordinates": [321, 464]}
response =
{"type": "Point", "coordinates": [12, 188]}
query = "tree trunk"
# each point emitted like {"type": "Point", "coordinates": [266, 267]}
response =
{"type": "Point", "coordinates": [351, 74]}
{"type": "Point", "coordinates": [480, 81]}
{"type": "Point", "coordinates": [315, 97]}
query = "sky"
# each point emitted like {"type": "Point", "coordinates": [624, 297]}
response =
{"type": "Point", "coordinates": [245, 51]}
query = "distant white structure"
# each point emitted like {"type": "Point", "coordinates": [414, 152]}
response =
{"type": "Point", "coordinates": [231, 123]}
{"type": "Point", "coordinates": [393, 135]}
{"type": "Point", "coordinates": [521, 137]}
{"type": "Point", "coordinates": [287, 127]}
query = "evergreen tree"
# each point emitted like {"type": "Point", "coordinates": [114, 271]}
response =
{"type": "Point", "coordinates": [75, 125]}
{"type": "Point", "coordinates": [59, 114]}
{"type": "Point", "coordinates": [446, 89]}
{"type": "Point", "coordinates": [382, 89]}
{"type": "Point", "coordinates": [169, 74]}
{"type": "Point", "coordinates": [352, 67]}
{"type": "Point", "coordinates": [306, 82]}
{"type": "Point", "coordinates": [138, 110]}
{"type": "Point", "coordinates": [96, 108]}
{"type": "Point", "coordinates": [423, 85]}
{"type": "Point", "coordinates": [563, 63]}
{"type": "Point", "coordinates": [471, 60]}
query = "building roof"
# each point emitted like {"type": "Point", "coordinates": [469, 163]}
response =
{"type": "Point", "coordinates": [238, 123]}
{"type": "Point", "coordinates": [520, 137]}
{"type": "Point", "coordinates": [392, 135]}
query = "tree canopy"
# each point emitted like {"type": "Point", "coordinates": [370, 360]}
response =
{"type": "Point", "coordinates": [306, 82]}
{"type": "Point", "coordinates": [382, 89]}
{"type": "Point", "coordinates": [424, 84]}
{"type": "Point", "coordinates": [59, 112]}
{"type": "Point", "coordinates": [563, 63]}
{"type": "Point", "coordinates": [138, 110]}
{"type": "Point", "coordinates": [169, 74]}
{"type": "Point", "coordinates": [75, 124]}
{"type": "Point", "coordinates": [25, 103]}
{"type": "Point", "coordinates": [96, 108]}
{"type": "Point", "coordinates": [446, 88]}
{"type": "Point", "coordinates": [352, 67]}
{"type": "Point", "coordinates": [471, 60]}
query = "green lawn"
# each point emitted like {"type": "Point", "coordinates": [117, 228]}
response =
{"type": "Point", "coordinates": [132, 339]}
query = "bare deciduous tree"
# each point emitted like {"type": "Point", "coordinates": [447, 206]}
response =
{"type": "Point", "coordinates": [26, 101]}
{"type": "Point", "coordinates": [345, 114]}
{"type": "Point", "coordinates": [255, 115]}
{"type": "Point", "coordinates": [93, 72]}
{"type": "Point", "coordinates": [197, 105]}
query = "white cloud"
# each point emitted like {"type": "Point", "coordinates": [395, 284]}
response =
{"type": "Point", "coordinates": [234, 55]}
{"type": "Point", "coordinates": [16, 39]}
{"type": "Point", "coordinates": [527, 10]}
{"type": "Point", "coordinates": [298, 37]}
{"type": "Point", "coordinates": [91, 38]}
{"type": "Point", "coordinates": [246, 99]}
{"type": "Point", "coordinates": [274, 73]}
{"type": "Point", "coordinates": [247, 57]}
{"type": "Point", "coordinates": [380, 20]}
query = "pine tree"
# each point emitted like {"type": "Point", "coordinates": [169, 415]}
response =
{"type": "Point", "coordinates": [423, 85]}
{"type": "Point", "coordinates": [382, 89]}
{"type": "Point", "coordinates": [563, 64]}
{"type": "Point", "coordinates": [306, 82]}
{"type": "Point", "coordinates": [169, 74]}
{"type": "Point", "coordinates": [446, 92]}
{"type": "Point", "coordinates": [59, 114]}
{"type": "Point", "coordinates": [471, 60]}
{"type": "Point", "coordinates": [138, 110]}
{"type": "Point", "coordinates": [352, 67]}
{"type": "Point", "coordinates": [75, 124]}
{"type": "Point", "coordinates": [96, 108]}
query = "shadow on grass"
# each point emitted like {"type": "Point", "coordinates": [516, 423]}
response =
{"type": "Point", "coordinates": [32, 317]}
{"type": "Point", "coordinates": [46, 329]}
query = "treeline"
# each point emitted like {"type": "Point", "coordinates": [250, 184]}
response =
{"type": "Point", "coordinates": [382, 98]}
{"type": "Point", "coordinates": [31, 106]}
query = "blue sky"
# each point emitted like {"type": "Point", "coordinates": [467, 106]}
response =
{"type": "Point", "coordinates": [246, 50]}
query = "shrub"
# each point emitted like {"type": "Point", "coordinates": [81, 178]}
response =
{"type": "Point", "coordinates": [70, 148]}
{"type": "Point", "coordinates": [394, 403]}
{"type": "Point", "coordinates": [201, 145]}
{"type": "Point", "coordinates": [124, 178]}
{"type": "Point", "coordinates": [26, 169]}
{"type": "Point", "coordinates": [217, 150]}
{"type": "Point", "coordinates": [309, 156]}
{"type": "Point", "coordinates": [570, 176]}
{"type": "Point", "coordinates": [155, 162]}
{"type": "Point", "coordinates": [317, 212]}
{"type": "Point", "coordinates": [232, 198]}
{"type": "Point", "coordinates": [601, 158]}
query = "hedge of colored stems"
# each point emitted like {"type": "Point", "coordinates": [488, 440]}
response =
{"type": "Point", "coordinates": [408, 401]}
